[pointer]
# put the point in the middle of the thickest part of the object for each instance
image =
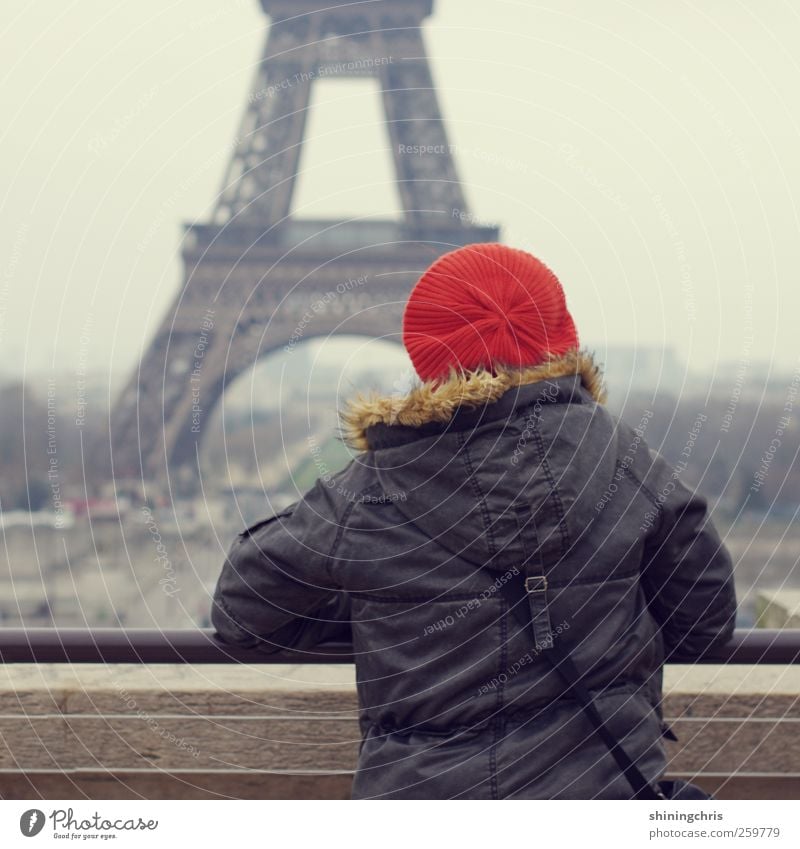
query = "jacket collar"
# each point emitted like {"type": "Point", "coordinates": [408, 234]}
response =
{"type": "Point", "coordinates": [466, 399]}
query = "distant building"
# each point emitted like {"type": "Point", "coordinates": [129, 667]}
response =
{"type": "Point", "coordinates": [649, 368]}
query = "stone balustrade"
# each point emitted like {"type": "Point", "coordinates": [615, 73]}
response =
{"type": "Point", "coordinates": [778, 608]}
{"type": "Point", "coordinates": [281, 731]}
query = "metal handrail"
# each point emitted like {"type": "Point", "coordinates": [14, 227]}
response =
{"type": "Point", "coordinates": [150, 645]}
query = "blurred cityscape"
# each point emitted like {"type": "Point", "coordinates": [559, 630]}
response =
{"type": "Point", "coordinates": [79, 549]}
{"type": "Point", "coordinates": [94, 535]}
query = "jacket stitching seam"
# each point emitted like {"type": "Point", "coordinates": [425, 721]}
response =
{"type": "Point", "coordinates": [338, 538]}
{"type": "Point", "coordinates": [513, 716]}
{"type": "Point", "coordinates": [248, 532]}
{"type": "Point", "coordinates": [478, 493]}
{"type": "Point", "coordinates": [445, 597]}
{"type": "Point", "coordinates": [499, 703]}
{"type": "Point", "coordinates": [647, 491]}
{"type": "Point", "coordinates": [340, 532]}
{"type": "Point", "coordinates": [594, 579]}
{"type": "Point", "coordinates": [559, 505]}
{"type": "Point", "coordinates": [414, 599]}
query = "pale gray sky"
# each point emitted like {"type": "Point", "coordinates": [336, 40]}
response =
{"type": "Point", "coordinates": [647, 151]}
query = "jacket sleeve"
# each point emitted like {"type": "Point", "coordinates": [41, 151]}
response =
{"type": "Point", "coordinates": [687, 573]}
{"type": "Point", "coordinates": [275, 589]}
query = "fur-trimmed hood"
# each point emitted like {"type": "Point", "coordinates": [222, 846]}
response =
{"type": "Point", "coordinates": [438, 401]}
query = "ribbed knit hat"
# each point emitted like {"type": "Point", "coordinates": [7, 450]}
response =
{"type": "Point", "coordinates": [486, 305]}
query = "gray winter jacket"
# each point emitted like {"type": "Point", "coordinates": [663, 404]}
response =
{"type": "Point", "coordinates": [411, 543]}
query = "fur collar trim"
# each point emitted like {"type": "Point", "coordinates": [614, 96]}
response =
{"type": "Point", "coordinates": [432, 402]}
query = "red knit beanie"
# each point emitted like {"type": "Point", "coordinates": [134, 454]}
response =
{"type": "Point", "coordinates": [486, 305]}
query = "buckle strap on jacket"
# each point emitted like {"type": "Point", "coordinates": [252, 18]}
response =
{"type": "Point", "coordinates": [535, 578]}
{"type": "Point", "coordinates": [534, 587]}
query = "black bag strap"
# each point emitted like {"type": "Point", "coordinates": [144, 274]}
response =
{"type": "Point", "coordinates": [526, 597]}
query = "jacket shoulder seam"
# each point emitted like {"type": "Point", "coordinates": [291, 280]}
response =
{"type": "Point", "coordinates": [342, 525]}
{"type": "Point", "coordinates": [647, 491]}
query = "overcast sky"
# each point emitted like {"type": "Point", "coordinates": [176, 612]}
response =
{"type": "Point", "coordinates": [647, 151]}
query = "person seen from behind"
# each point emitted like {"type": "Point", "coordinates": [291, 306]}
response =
{"type": "Point", "coordinates": [502, 466]}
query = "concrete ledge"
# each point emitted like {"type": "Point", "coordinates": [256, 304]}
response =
{"type": "Point", "coordinates": [734, 722]}
{"type": "Point", "coordinates": [778, 608]}
{"type": "Point", "coordinates": [153, 785]}
{"type": "Point", "coordinates": [169, 731]}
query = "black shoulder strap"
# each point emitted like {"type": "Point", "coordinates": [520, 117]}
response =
{"type": "Point", "coordinates": [526, 597]}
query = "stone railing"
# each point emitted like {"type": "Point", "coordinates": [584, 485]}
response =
{"type": "Point", "coordinates": [778, 608]}
{"type": "Point", "coordinates": [277, 730]}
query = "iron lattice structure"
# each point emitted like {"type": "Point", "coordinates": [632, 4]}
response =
{"type": "Point", "coordinates": [253, 272]}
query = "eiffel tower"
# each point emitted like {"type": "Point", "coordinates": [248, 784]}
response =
{"type": "Point", "coordinates": [256, 279]}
